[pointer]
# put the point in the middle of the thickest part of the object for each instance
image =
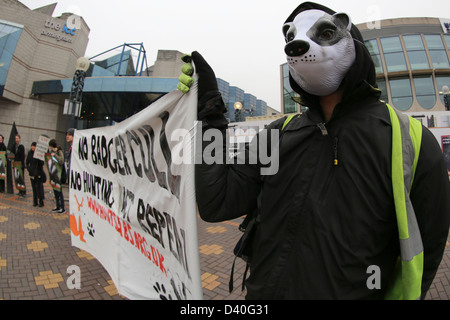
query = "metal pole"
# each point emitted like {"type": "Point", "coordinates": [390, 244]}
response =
{"type": "Point", "coordinates": [138, 60]}
{"type": "Point", "coordinates": [121, 58]}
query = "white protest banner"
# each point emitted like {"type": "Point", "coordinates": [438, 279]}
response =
{"type": "Point", "coordinates": [41, 148]}
{"type": "Point", "coordinates": [132, 207]}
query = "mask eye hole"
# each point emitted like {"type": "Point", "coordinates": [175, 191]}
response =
{"type": "Point", "coordinates": [327, 34]}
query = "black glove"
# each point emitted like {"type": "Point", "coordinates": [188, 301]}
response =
{"type": "Point", "coordinates": [210, 103]}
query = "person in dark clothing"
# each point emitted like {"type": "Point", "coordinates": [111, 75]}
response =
{"type": "Point", "coordinates": [19, 156]}
{"type": "Point", "coordinates": [69, 139]}
{"type": "Point", "coordinates": [3, 148]}
{"type": "Point", "coordinates": [35, 169]}
{"type": "Point", "coordinates": [58, 158]}
{"type": "Point", "coordinates": [327, 215]}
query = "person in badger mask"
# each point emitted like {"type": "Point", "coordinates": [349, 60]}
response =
{"type": "Point", "coordinates": [359, 206]}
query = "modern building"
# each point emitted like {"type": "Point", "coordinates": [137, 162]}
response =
{"type": "Point", "coordinates": [411, 56]}
{"type": "Point", "coordinates": [289, 98]}
{"type": "Point", "coordinates": [240, 105]}
{"type": "Point", "coordinates": [115, 87]}
{"type": "Point", "coordinates": [35, 46]}
{"type": "Point", "coordinates": [38, 56]}
{"type": "Point", "coordinates": [168, 65]}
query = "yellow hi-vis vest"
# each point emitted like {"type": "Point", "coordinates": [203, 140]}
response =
{"type": "Point", "coordinates": [406, 143]}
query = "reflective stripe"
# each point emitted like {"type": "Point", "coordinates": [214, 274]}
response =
{"type": "Point", "coordinates": [415, 132]}
{"type": "Point", "coordinates": [406, 143]}
{"type": "Point", "coordinates": [288, 120]}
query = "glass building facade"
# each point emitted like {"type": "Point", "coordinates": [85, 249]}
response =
{"type": "Point", "coordinates": [251, 105]}
{"type": "Point", "coordinates": [411, 58]}
{"type": "Point", "coordinates": [289, 98]}
{"type": "Point", "coordinates": [261, 108]}
{"type": "Point", "coordinates": [9, 36]}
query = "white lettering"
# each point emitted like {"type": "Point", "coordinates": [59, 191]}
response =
{"type": "Point", "coordinates": [374, 18]}
{"type": "Point", "coordinates": [197, 310]}
{"type": "Point", "coordinates": [74, 281]}
{"type": "Point", "coordinates": [62, 31]}
{"type": "Point", "coordinates": [374, 281]}
{"type": "Point", "coordinates": [74, 22]}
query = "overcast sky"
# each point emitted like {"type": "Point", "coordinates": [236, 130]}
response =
{"type": "Point", "coordinates": [241, 39]}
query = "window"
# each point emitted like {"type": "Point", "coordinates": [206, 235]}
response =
{"type": "Point", "coordinates": [401, 93]}
{"type": "Point", "coordinates": [261, 108]}
{"type": "Point", "coordinates": [372, 46]}
{"type": "Point", "coordinates": [439, 59]}
{"type": "Point", "coordinates": [9, 36]}
{"type": "Point", "coordinates": [119, 65]}
{"type": "Point", "coordinates": [437, 51]}
{"type": "Point", "coordinates": [393, 54]}
{"type": "Point", "coordinates": [447, 40]}
{"type": "Point", "coordinates": [416, 52]}
{"type": "Point", "coordinates": [418, 60]}
{"type": "Point", "coordinates": [290, 106]}
{"type": "Point", "coordinates": [434, 42]}
{"type": "Point", "coordinates": [425, 93]}
{"type": "Point", "coordinates": [382, 86]}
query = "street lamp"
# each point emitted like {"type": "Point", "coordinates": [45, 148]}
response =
{"type": "Point", "coordinates": [238, 108]}
{"type": "Point", "coordinates": [446, 92]}
{"type": "Point", "coordinates": [72, 106]}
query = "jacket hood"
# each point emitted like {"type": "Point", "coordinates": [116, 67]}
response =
{"type": "Point", "coordinates": [361, 77]}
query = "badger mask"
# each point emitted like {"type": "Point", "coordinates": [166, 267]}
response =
{"type": "Point", "coordinates": [320, 50]}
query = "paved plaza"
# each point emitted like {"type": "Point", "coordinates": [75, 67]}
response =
{"type": "Point", "coordinates": [36, 256]}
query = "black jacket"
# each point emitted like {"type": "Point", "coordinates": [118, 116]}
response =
{"type": "Point", "coordinates": [322, 226]}
{"type": "Point", "coordinates": [19, 154]}
{"type": "Point", "coordinates": [35, 166]}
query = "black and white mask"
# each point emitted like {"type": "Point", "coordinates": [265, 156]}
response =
{"type": "Point", "coordinates": [320, 50]}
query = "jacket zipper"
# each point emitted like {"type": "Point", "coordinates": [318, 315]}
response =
{"type": "Point", "coordinates": [324, 131]}
{"type": "Point", "coordinates": [335, 150]}
{"type": "Point", "coordinates": [334, 144]}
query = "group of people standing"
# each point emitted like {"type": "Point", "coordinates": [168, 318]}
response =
{"type": "Point", "coordinates": [35, 168]}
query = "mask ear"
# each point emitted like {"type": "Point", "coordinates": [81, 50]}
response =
{"type": "Point", "coordinates": [343, 20]}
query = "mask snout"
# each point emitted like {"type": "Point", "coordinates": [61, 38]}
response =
{"type": "Point", "coordinates": [297, 48]}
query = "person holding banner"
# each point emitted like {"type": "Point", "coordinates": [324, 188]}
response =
{"type": "Point", "coordinates": [56, 164]}
{"type": "Point", "coordinates": [329, 222]}
{"type": "Point", "coordinates": [19, 166]}
{"type": "Point", "coordinates": [3, 164]}
{"type": "Point", "coordinates": [35, 169]}
{"type": "Point", "coordinates": [69, 140]}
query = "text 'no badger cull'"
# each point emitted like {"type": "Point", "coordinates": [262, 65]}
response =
{"type": "Point", "coordinates": [135, 149]}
